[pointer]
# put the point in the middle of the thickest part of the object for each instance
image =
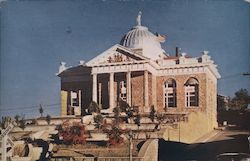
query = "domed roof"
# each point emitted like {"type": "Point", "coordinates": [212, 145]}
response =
{"type": "Point", "coordinates": [139, 37]}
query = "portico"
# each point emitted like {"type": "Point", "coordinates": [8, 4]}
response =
{"type": "Point", "coordinates": [119, 87]}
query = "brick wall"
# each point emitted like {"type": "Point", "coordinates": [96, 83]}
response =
{"type": "Point", "coordinates": [137, 83]}
{"type": "Point", "coordinates": [180, 81]}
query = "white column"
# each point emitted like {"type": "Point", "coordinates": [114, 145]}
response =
{"type": "Point", "coordinates": [100, 94]}
{"type": "Point", "coordinates": [111, 91]}
{"type": "Point", "coordinates": [80, 98]}
{"type": "Point", "coordinates": [146, 91]}
{"type": "Point", "coordinates": [94, 88]}
{"type": "Point", "coordinates": [154, 99]}
{"type": "Point", "coordinates": [80, 102]}
{"type": "Point", "coordinates": [128, 76]}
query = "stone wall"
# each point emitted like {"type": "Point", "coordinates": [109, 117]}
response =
{"type": "Point", "coordinates": [189, 131]}
{"type": "Point", "coordinates": [212, 101]}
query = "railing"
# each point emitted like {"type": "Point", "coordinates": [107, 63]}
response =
{"type": "Point", "coordinates": [69, 158]}
{"type": "Point", "coordinates": [119, 159]}
{"type": "Point", "coordinates": [64, 158]}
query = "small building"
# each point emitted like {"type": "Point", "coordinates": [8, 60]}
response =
{"type": "Point", "coordinates": [139, 72]}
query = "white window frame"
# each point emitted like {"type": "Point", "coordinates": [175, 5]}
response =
{"type": "Point", "coordinates": [192, 94]}
{"type": "Point", "coordinates": [74, 99]}
{"type": "Point", "coordinates": [123, 90]}
{"type": "Point", "coordinates": [168, 93]}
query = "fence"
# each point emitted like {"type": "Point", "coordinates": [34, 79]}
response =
{"type": "Point", "coordinates": [62, 158]}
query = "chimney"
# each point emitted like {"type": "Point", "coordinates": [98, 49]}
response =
{"type": "Point", "coordinates": [177, 51]}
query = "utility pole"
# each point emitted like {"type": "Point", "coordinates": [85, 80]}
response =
{"type": "Point", "coordinates": [130, 145]}
{"type": "Point", "coordinates": [179, 132]}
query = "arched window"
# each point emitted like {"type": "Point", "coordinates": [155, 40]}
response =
{"type": "Point", "coordinates": [169, 93]}
{"type": "Point", "coordinates": [192, 92]}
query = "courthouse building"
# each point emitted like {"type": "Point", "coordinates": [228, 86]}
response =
{"type": "Point", "coordinates": [140, 72]}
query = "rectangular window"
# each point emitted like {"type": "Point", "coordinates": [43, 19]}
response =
{"type": "Point", "coordinates": [123, 90]}
{"type": "Point", "coordinates": [170, 98]}
{"type": "Point", "coordinates": [169, 89]}
{"type": "Point", "coordinates": [74, 98]}
{"type": "Point", "coordinates": [191, 96]}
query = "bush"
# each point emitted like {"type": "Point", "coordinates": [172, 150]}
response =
{"type": "Point", "coordinates": [93, 107]}
{"type": "Point", "coordinates": [34, 122]}
{"type": "Point", "coordinates": [73, 134]}
{"type": "Point", "coordinates": [160, 117]}
{"type": "Point", "coordinates": [137, 120]}
{"type": "Point", "coordinates": [114, 134]}
{"type": "Point", "coordinates": [98, 120]}
{"type": "Point", "coordinates": [117, 112]}
{"type": "Point", "coordinates": [124, 106]}
{"type": "Point", "coordinates": [48, 119]}
{"type": "Point", "coordinates": [152, 113]}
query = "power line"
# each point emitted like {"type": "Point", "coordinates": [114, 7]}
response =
{"type": "Point", "coordinates": [30, 107]}
{"type": "Point", "coordinates": [234, 75]}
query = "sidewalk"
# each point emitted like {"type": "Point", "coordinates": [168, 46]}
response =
{"type": "Point", "coordinates": [207, 137]}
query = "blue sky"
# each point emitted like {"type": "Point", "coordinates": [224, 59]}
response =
{"type": "Point", "coordinates": [36, 35]}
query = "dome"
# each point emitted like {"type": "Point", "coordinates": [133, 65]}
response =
{"type": "Point", "coordinates": [143, 41]}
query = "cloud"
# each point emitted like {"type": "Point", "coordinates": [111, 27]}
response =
{"type": "Point", "coordinates": [1, 2]}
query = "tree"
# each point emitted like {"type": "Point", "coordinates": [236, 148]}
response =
{"type": "Point", "coordinates": [41, 110]}
{"type": "Point", "coordinates": [17, 119]}
{"type": "Point", "coordinates": [6, 120]}
{"type": "Point", "coordinates": [152, 113]}
{"type": "Point", "coordinates": [93, 107]}
{"type": "Point", "coordinates": [240, 100]}
{"type": "Point", "coordinates": [221, 105]}
{"type": "Point", "coordinates": [22, 123]}
{"type": "Point", "coordinates": [48, 119]}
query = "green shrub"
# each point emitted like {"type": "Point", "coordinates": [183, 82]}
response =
{"type": "Point", "coordinates": [93, 108]}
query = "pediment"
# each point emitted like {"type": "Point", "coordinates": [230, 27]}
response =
{"type": "Point", "coordinates": [115, 54]}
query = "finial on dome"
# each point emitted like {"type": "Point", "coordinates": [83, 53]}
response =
{"type": "Point", "coordinates": [138, 19]}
